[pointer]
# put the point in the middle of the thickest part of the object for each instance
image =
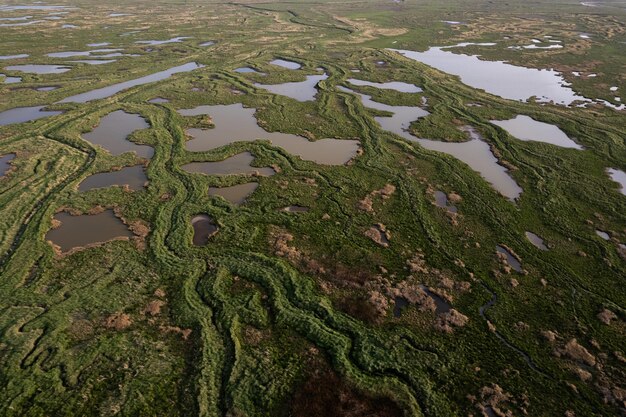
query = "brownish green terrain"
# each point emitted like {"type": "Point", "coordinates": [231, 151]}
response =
{"type": "Point", "coordinates": [298, 208]}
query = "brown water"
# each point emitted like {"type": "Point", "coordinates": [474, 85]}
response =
{"type": "Point", "coordinates": [134, 177]}
{"type": "Point", "coordinates": [298, 90]}
{"type": "Point", "coordinates": [5, 163]}
{"type": "Point", "coordinates": [234, 123]}
{"type": "Point", "coordinates": [83, 230]}
{"type": "Point", "coordinates": [528, 129]}
{"type": "Point", "coordinates": [113, 130]}
{"type": "Point", "coordinates": [536, 240]}
{"type": "Point", "coordinates": [235, 165]}
{"type": "Point", "coordinates": [236, 194]}
{"type": "Point", "coordinates": [512, 260]}
{"type": "Point", "coordinates": [203, 229]}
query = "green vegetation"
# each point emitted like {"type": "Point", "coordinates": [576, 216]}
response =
{"type": "Point", "coordinates": [280, 305]}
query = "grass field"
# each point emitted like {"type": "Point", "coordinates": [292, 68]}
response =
{"type": "Point", "coordinates": [292, 314]}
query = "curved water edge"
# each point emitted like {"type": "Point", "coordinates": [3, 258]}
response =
{"type": "Point", "coordinates": [299, 90]}
{"type": "Point", "coordinates": [133, 177]}
{"type": "Point", "coordinates": [528, 129]}
{"type": "Point", "coordinates": [113, 130]}
{"type": "Point", "coordinates": [203, 229]}
{"type": "Point", "coordinates": [501, 78]}
{"type": "Point", "coordinates": [18, 115]}
{"type": "Point", "coordinates": [5, 163]}
{"type": "Point", "coordinates": [105, 92]}
{"type": "Point", "coordinates": [476, 152]}
{"type": "Point", "coordinates": [619, 177]}
{"type": "Point", "coordinates": [235, 123]}
{"type": "Point", "coordinates": [239, 164]}
{"type": "Point", "coordinates": [391, 85]}
{"type": "Point", "coordinates": [510, 258]}
{"type": "Point", "coordinates": [72, 232]}
{"type": "Point", "coordinates": [235, 194]}
{"type": "Point", "coordinates": [536, 241]}
{"type": "Point", "coordinates": [286, 64]}
{"type": "Point", "coordinates": [25, 114]}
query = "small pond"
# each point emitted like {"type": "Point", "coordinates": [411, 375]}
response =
{"type": "Point", "coordinates": [134, 177]}
{"type": "Point", "coordinates": [235, 194]}
{"type": "Point", "coordinates": [235, 165]}
{"type": "Point", "coordinates": [83, 230]}
{"type": "Point", "coordinates": [203, 228]}
{"type": "Point", "coordinates": [113, 130]}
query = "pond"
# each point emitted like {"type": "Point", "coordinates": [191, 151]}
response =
{"type": "Point", "coordinates": [25, 114]}
{"type": "Point", "coordinates": [94, 61]}
{"type": "Point", "coordinates": [7, 57]}
{"type": "Point", "coordinates": [441, 306]}
{"type": "Point", "coordinates": [298, 90]}
{"type": "Point", "coordinates": [286, 64]}
{"type": "Point", "coordinates": [441, 200]}
{"type": "Point", "coordinates": [511, 260]}
{"type": "Point", "coordinates": [248, 70]}
{"type": "Point", "coordinates": [164, 42]}
{"type": "Point", "coordinates": [498, 77]}
{"type": "Point", "coordinates": [393, 85]}
{"type": "Point", "coordinates": [401, 119]}
{"type": "Point", "coordinates": [71, 54]}
{"type": "Point", "coordinates": [158, 100]}
{"type": "Point", "coordinates": [234, 123]}
{"type": "Point", "coordinates": [5, 163]}
{"type": "Point", "coordinates": [603, 235]}
{"type": "Point", "coordinates": [619, 177]}
{"type": "Point", "coordinates": [39, 69]}
{"type": "Point", "coordinates": [235, 194]}
{"type": "Point", "coordinates": [477, 154]}
{"type": "Point", "coordinates": [235, 165]}
{"type": "Point", "coordinates": [80, 231]}
{"type": "Point", "coordinates": [399, 304]}
{"type": "Point", "coordinates": [11, 80]}
{"type": "Point", "coordinates": [528, 129]}
{"type": "Point", "coordinates": [134, 177]}
{"type": "Point", "coordinates": [203, 229]}
{"type": "Point", "coordinates": [105, 92]}
{"type": "Point", "coordinates": [113, 130]}
{"type": "Point", "coordinates": [536, 241]}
